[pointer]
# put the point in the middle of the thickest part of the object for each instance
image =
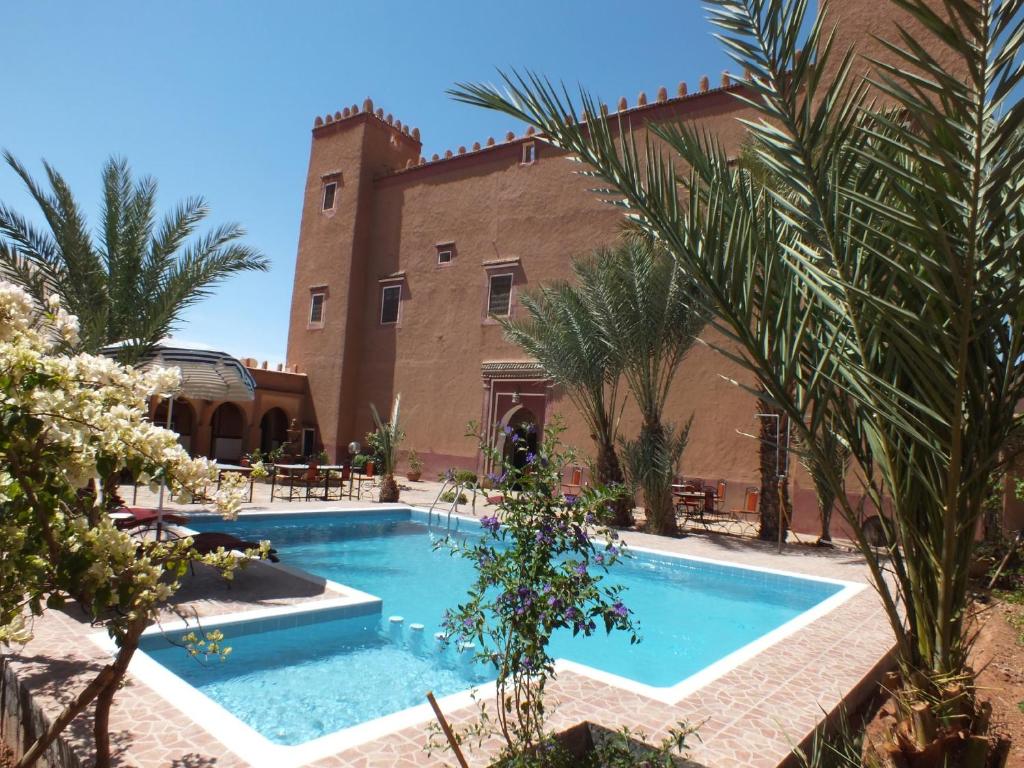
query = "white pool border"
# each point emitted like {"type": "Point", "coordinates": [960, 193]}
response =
{"type": "Point", "coordinates": [259, 751]}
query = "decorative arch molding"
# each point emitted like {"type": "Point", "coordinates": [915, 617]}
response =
{"type": "Point", "coordinates": [511, 386]}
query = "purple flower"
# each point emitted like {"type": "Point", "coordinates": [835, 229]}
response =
{"type": "Point", "coordinates": [581, 569]}
{"type": "Point", "coordinates": [515, 437]}
{"type": "Point", "coordinates": [467, 623]}
{"type": "Point", "coordinates": [508, 430]}
{"type": "Point", "coordinates": [619, 609]}
{"type": "Point", "coordinates": [530, 457]}
{"type": "Point", "coordinates": [599, 558]}
{"type": "Point", "coordinates": [571, 612]}
{"type": "Point", "coordinates": [490, 524]}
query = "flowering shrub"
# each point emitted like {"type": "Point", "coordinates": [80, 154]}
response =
{"type": "Point", "coordinates": [540, 568]}
{"type": "Point", "coordinates": [67, 422]}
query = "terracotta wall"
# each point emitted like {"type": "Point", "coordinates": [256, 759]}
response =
{"type": "Point", "coordinates": [501, 215]}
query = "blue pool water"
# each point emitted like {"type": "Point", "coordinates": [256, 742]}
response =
{"type": "Point", "coordinates": [295, 682]}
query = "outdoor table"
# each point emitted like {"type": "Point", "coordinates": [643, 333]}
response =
{"type": "Point", "coordinates": [245, 471]}
{"type": "Point", "coordinates": [327, 469]}
{"type": "Point", "coordinates": [701, 501]}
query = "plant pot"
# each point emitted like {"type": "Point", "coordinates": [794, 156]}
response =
{"type": "Point", "coordinates": [368, 469]}
{"type": "Point", "coordinates": [413, 476]}
{"type": "Point", "coordinates": [244, 462]}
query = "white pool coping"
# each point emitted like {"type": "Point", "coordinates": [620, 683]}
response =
{"type": "Point", "coordinates": [260, 752]}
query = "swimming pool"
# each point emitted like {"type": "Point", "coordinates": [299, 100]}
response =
{"type": "Point", "coordinates": [295, 679]}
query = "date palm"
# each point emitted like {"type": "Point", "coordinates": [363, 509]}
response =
{"type": "Point", "coordinates": [562, 333]}
{"type": "Point", "coordinates": [880, 294]}
{"type": "Point", "coordinates": [648, 315]}
{"type": "Point", "coordinates": [385, 440]}
{"type": "Point", "coordinates": [134, 277]}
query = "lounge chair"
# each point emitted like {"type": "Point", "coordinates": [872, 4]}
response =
{"type": "Point", "coordinates": [211, 541]}
{"type": "Point", "coordinates": [130, 518]}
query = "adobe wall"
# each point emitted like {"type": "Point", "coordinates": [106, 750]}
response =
{"type": "Point", "coordinates": [397, 208]}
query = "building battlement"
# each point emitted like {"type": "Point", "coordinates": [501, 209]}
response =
{"type": "Point", "coordinates": [643, 105]}
{"type": "Point", "coordinates": [320, 124]}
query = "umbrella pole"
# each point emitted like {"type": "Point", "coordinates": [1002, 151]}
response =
{"type": "Point", "coordinates": [160, 502]}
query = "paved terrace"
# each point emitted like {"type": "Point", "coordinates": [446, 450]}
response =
{"type": "Point", "coordinates": [752, 715]}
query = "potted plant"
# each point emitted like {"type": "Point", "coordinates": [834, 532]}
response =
{"type": "Point", "coordinates": [323, 457]}
{"type": "Point", "coordinates": [415, 467]}
{"type": "Point", "coordinates": [385, 442]}
{"type": "Point", "coordinates": [359, 462]}
{"type": "Point", "coordinates": [251, 458]}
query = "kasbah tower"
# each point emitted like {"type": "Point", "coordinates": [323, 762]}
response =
{"type": "Point", "coordinates": [402, 259]}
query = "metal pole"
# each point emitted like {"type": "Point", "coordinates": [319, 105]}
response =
{"type": "Point", "coordinates": [160, 501]}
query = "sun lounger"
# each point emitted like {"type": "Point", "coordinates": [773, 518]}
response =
{"type": "Point", "coordinates": [211, 541]}
{"type": "Point", "coordinates": [129, 518]}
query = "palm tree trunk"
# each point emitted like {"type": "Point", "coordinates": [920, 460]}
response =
{"type": "Point", "coordinates": [388, 490]}
{"type": "Point", "coordinates": [661, 515]}
{"type": "Point", "coordinates": [775, 512]}
{"type": "Point", "coordinates": [608, 472]}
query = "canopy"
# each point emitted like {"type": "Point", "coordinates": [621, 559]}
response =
{"type": "Point", "coordinates": [206, 374]}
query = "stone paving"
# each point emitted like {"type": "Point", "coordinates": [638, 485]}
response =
{"type": "Point", "coordinates": [752, 715]}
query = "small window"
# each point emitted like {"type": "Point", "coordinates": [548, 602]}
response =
{"type": "Point", "coordinates": [330, 192]}
{"type": "Point", "coordinates": [499, 300]}
{"type": "Point", "coordinates": [316, 308]}
{"type": "Point", "coordinates": [444, 256]}
{"type": "Point", "coordinates": [390, 298]}
{"type": "Point", "coordinates": [529, 153]}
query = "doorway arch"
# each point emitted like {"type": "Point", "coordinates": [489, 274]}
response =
{"type": "Point", "coordinates": [518, 436]}
{"type": "Point", "coordinates": [273, 430]}
{"type": "Point", "coordinates": [228, 426]}
{"type": "Point", "coordinates": [183, 420]}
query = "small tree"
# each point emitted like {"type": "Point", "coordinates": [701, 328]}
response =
{"type": "Point", "coordinates": [540, 569]}
{"type": "Point", "coordinates": [833, 460]}
{"type": "Point", "coordinates": [68, 422]}
{"type": "Point", "coordinates": [649, 315]}
{"type": "Point", "coordinates": [385, 441]}
{"type": "Point", "coordinates": [563, 334]}
{"type": "Point", "coordinates": [133, 280]}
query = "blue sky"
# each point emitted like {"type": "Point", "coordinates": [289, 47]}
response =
{"type": "Point", "coordinates": [218, 98]}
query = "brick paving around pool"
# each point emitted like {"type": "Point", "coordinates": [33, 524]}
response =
{"type": "Point", "coordinates": [753, 715]}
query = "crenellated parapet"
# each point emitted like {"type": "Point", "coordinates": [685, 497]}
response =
{"type": "Point", "coordinates": [350, 114]}
{"type": "Point", "coordinates": [661, 100]}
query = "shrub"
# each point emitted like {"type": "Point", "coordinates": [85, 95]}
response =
{"type": "Point", "coordinates": [540, 568]}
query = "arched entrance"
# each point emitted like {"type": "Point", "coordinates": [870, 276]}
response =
{"type": "Point", "coordinates": [273, 430]}
{"type": "Point", "coordinates": [228, 426]}
{"type": "Point", "coordinates": [183, 420]}
{"type": "Point", "coordinates": [519, 435]}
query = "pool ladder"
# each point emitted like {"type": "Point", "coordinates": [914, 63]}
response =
{"type": "Point", "coordinates": [458, 488]}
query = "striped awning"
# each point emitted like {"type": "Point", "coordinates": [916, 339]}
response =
{"type": "Point", "coordinates": [206, 374]}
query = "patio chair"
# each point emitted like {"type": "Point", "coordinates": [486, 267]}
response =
{"type": "Point", "coordinates": [751, 497]}
{"type": "Point", "coordinates": [719, 496]}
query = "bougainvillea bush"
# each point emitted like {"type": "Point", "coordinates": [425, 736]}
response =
{"type": "Point", "coordinates": [67, 422]}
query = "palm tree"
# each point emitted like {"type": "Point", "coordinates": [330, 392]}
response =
{"type": "Point", "coordinates": [563, 334]}
{"type": "Point", "coordinates": [880, 295]}
{"type": "Point", "coordinates": [836, 460]}
{"type": "Point", "coordinates": [133, 280]}
{"type": "Point", "coordinates": [649, 315]}
{"type": "Point", "coordinates": [385, 442]}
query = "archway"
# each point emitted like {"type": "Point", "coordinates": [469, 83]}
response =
{"type": "Point", "coordinates": [183, 420]}
{"type": "Point", "coordinates": [518, 436]}
{"type": "Point", "coordinates": [228, 426]}
{"type": "Point", "coordinates": [273, 430]}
